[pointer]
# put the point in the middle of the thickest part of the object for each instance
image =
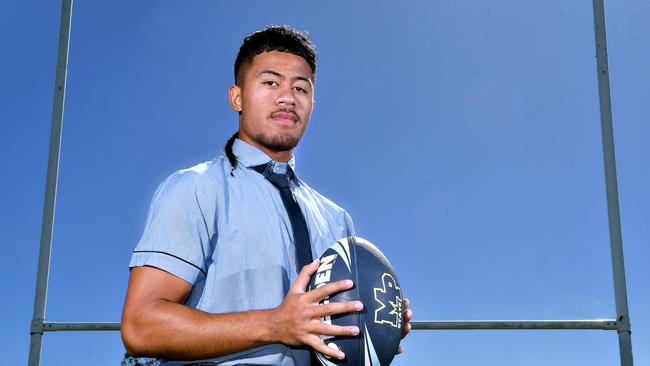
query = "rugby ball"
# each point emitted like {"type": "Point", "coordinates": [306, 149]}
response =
{"type": "Point", "coordinates": [376, 286]}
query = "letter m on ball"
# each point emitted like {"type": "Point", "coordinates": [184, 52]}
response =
{"type": "Point", "coordinates": [389, 297]}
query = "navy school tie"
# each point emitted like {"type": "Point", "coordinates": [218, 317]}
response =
{"type": "Point", "coordinates": [298, 223]}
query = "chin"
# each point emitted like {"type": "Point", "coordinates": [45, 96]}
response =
{"type": "Point", "coordinates": [278, 142]}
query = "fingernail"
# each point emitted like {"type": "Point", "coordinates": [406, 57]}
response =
{"type": "Point", "coordinates": [349, 283]}
{"type": "Point", "coordinates": [358, 305]}
{"type": "Point", "coordinates": [340, 355]}
{"type": "Point", "coordinates": [355, 331]}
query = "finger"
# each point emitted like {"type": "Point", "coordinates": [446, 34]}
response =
{"type": "Point", "coordinates": [400, 349]}
{"type": "Point", "coordinates": [408, 315]}
{"type": "Point", "coordinates": [338, 308]}
{"type": "Point", "coordinates": [406, 329]}
{"type": "Point", "coordinates": [301, 283]}
{"type": "Point", "coordinates": [406, 303]}
{"type": "Point", "coordinates": [324, 329]}
{"type": "Point", "coordinates": [330, 289]}
{"type": "Point", "coordinates": [317, 344]}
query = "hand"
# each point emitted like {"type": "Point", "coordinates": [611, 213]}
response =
{"type": "Point", "coordinates": [408, 315]}
{"type": "Point", "coordinates": [298, 318]}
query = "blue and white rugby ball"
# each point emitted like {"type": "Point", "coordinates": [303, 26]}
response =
{"type": "Point", "coordinates": [376, 286]}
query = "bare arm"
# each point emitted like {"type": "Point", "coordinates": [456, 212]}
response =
{"type": "Point", "coordinates": [156, 323]}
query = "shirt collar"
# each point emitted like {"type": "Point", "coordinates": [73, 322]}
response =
{"type": "Point", "coordinates": [251, 156]}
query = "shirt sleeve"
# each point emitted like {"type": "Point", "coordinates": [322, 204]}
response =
{"type": "Point", "coordinates": [349, 224]}
{"type": "Point", "coordinates": [176, 236]}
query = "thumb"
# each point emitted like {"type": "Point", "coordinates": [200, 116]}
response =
{"type": "Point", "coordinates": [301, 283]}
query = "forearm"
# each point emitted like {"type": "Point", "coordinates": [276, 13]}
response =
{"type": "Point", "coordinates": [156, 323]}
{"type": "Point", "coordinates": [175, 331]}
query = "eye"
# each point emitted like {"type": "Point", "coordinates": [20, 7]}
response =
{"type": "Point", "coordinates": [271, 83]}
{"type": "Point", "coordinates": [300, 90]}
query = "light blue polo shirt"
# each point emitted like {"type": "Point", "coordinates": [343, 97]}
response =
{"type": "Point", "coordinates": [230, 237]}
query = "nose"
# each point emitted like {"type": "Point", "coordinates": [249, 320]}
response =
{"type": "Point", "coordinates": [286, 97]}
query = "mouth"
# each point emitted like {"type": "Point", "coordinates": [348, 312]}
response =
{"type": "Point", "coordinates": [285, 117]}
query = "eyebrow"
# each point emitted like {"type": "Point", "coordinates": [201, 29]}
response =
{"type": "Point", "coordinates": [275, 73]}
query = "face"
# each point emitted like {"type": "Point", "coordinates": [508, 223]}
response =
{"type": "Point", "coordinates": [275, 99]}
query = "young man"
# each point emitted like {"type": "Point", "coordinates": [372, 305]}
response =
{"type": "Point", "coordinates": [217, 273]}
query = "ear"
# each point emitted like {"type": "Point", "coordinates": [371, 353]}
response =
{"type": "Point", "coordinates": [235, 97]}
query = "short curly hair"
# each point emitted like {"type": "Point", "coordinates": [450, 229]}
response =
{"type": "Point", "coordinates": [280, 38]}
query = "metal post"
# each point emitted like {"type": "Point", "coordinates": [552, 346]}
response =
{"type": "Point", "coordinates": [603, 324]}
{"type": "Point", "coordinates": [36, 329]}
{"type": "Point", "coordinates": [81, 327]}
{"type": "Point", "coordinates": [613, 214]}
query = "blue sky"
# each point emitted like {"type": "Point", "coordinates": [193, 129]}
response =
{"type": "Point", "coordinates": [462, 136]}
